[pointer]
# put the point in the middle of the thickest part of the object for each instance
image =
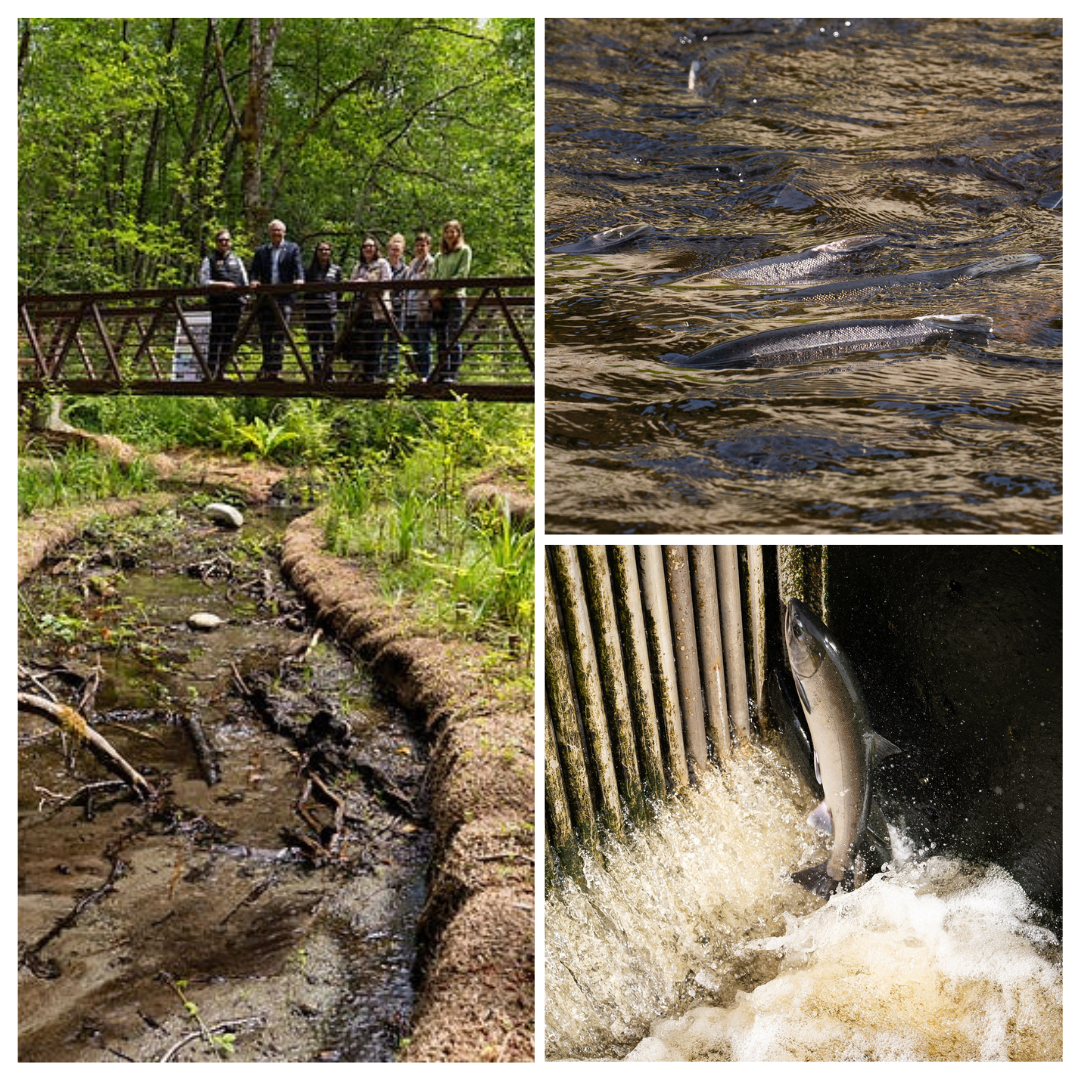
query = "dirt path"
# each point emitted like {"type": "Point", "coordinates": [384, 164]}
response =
{"type": "Point", "coordinates": [476, 935]}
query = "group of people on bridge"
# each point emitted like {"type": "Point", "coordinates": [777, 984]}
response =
{"type": "Point", "coordinates": [371, 346]}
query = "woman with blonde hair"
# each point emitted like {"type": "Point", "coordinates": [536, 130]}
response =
{"type": "Point", "coordinates": [454, 260]}
{"type": "Point", "coordinates": [399, 269]}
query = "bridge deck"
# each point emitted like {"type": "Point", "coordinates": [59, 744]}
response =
{"type": "Point", "coordinates": [157, 341]}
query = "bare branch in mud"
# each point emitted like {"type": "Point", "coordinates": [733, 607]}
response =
{"type": "Point", "coordinates": [204, 752]}
{"type": "Point", "coordinates": [30, 955]}
{"type": "Point", "coordinates": [67, 719]}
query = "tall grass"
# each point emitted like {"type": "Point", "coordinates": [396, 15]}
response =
{"type": "Point", "coordinates": [398, 469]}
{"type": "Point", "coordinates": [407, 515]}
{"type": "Point", "coordinates": [76, 476]}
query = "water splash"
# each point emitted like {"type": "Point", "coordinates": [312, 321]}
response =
{"type": "Point", "coordinates": [691, 943]}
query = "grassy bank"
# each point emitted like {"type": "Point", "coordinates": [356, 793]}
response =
{"type": "Point", "coordinates": [393, 476]}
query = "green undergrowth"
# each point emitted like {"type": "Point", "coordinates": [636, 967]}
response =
{"type": "Point", "coordinates": [49, 479]}
{"type": "Point", "coordinates": [403, 512]}
{"type": "Point", "coordinates": [392, 475]}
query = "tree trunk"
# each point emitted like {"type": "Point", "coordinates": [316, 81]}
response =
{"type": "Point", "coordinates": [253, 122]}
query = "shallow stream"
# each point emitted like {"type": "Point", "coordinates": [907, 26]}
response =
{"type": "Point", "coordinates": [271, 890]}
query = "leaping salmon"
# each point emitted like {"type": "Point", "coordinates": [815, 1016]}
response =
{"type": "Point", "coordinates": [846, 749]}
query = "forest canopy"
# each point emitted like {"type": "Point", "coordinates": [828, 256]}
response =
{"type": "Point", "coordinates": [139, 138]}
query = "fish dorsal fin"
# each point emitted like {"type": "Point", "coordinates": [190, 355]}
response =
{"type": "Point", "coordinates": [880, 747]}
{"type": "Point", "coordinates": [851, 243]}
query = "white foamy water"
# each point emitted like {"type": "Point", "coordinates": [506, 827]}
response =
{"type": "Point", "coordinates": [692, 944]}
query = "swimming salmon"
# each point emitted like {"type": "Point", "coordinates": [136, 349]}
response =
{"type": "Point", "coordinates": [801, 344]}
{"type": "Point", "coordinates": [935, 279]}
{"type": "Point", "coordinates": [786, 268]}
{"type": "Point", "coordinates": [605, 241]}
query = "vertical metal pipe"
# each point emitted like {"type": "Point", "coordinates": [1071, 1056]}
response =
{"type": "Point", "coordinates": [803, 571]}
{"type": "Point", "coordinates": [658, 628]}
{"type": "Point", "coordinates": [564, 721]}
{"type": "Point", "coordinates": [727, 574]}
{"type": "Point", "coordinates": [567, 574]}
{"type": "Point", "coordinates": [559, 824]}
{"type": "Point", "coordinates": [594, 569]}
{"type": "Point", "coordinates": [631, 619]}
{"type": "Point", "coordinates": [710, 649]}
{"type": "Point", "coordinates": [684, 636]}
{"type": "Point", "coordinates": [756, 563]}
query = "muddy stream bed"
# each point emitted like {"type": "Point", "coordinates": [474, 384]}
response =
{"type": "Point", "coordinates": [263, 905]}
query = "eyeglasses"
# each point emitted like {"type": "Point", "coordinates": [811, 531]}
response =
{"type": "Point", "coordinates": [369, 245]}
{"type": "Point", "coordinates": [224, 239]}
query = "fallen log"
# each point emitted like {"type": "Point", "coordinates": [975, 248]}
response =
{"type": "Point", "coordinates": [67, 719]}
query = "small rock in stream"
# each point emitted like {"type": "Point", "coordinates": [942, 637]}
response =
{"type": "Point", "coordinates": [204, 620]}
{"type": "Point", "coordinates": [224, 514]}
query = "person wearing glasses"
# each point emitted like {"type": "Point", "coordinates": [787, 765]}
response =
{"type": "Point", "coordinates": [454, 260]}
{"type": "Point", "coordinates": [222, 272]}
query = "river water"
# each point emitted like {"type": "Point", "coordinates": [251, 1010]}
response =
{"type": "Point", "coordinates": [946, 136]}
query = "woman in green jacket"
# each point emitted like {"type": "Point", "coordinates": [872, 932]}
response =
{"type": "Point", "coordinates": [453, 260]}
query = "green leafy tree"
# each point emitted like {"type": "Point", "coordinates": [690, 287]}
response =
{"type": "Point", "coordinates": [137, 137]}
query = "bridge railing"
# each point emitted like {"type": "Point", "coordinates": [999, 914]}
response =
{"type": "Point", "coordinates": [162, 340]}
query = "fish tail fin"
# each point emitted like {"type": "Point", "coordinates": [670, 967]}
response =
{"type": "Point", "coordinates": [877, 828]}
{"type": "Point", "coordinates": [852, 243]}
{"type": "Point", "coordinates": [965, 327]}
{"type": "Point", "coordinates": [1001, 264]}
{"type": "Point", "coordinates": [817, 880]}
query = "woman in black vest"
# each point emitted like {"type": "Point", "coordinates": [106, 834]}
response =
{"type": "Point", "coordinates": [223, 272]}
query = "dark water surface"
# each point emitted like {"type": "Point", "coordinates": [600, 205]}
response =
{"type": "Point", "coordinates": [945, 136]}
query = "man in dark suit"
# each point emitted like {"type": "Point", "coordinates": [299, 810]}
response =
{"type": "Point", "coordinates": [275, 263]}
